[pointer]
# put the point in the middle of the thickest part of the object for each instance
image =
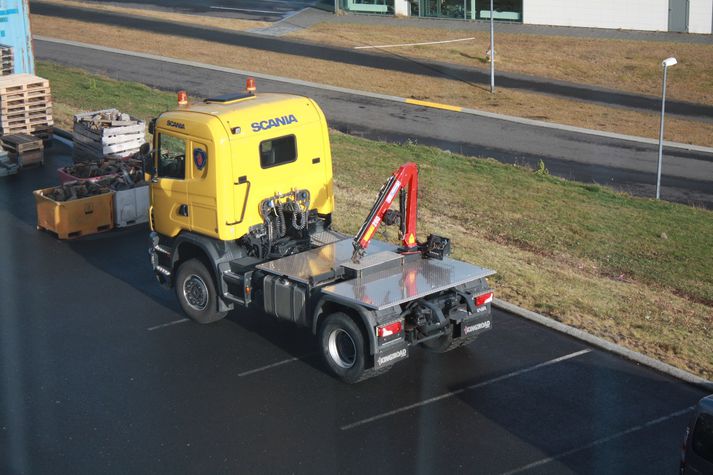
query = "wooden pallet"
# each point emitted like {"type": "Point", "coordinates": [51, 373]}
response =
{"type": "Point", "coordinates": [25, 148]}
{"type": "Point", "coordinates": [20, 143]}
{"type": "Point", "coordinates": [22, 83]}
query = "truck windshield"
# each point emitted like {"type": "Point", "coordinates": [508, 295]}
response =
{"type": "Point", "coordinates": [172, 157]}
{"type": "Point", "coordinates": [703, 437]}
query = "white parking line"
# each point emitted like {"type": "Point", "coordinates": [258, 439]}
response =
{"type": "Point", "coordinates": [601, 441]}
{"type": "Point", "coordinates": [175, 322]}
{"type": "Point", "coordinates": [415, 44]}
{"type": "Point", "coordinates": [462, 390]}
{"type": "Point", "coordinates": [273, 365]}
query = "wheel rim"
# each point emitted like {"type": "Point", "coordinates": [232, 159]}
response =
{"type": "Point", "coordinates": [195, 292]}
{"type": "Point", "coordinates": [342, 348]}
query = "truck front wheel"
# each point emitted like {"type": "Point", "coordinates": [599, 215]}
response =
{"type": "Point", "coordinates": [343, 347]}
{"type": "Point", "coordinates": [196, 292]}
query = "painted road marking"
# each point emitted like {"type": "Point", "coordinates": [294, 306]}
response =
{"type": "Point", "coordinates": [435, 105]}
{"type": "Point", "coordinates": [175, 322]}
{"type": "Point", "coordinates": [415, 44]}
{"type": "Point", "coordinates": [601, 441]}
{"type": "Point", "coordinates": [273, 365]}
{"type": "Point", "coordinates": [450, 394]}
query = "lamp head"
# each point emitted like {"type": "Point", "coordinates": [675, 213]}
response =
{"type": "Point", "coordinates": [668, 62]}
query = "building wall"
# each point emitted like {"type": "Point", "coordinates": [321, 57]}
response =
{"type": "Point", "coordinates": [700, 17]}
{"type": "Point", "coordinates": [624, 14]}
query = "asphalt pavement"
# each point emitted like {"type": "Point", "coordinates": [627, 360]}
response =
{"type": "Point", "coordinates": [625, 165]}
{"type": "Point", "coordinates": [258, 10]}
{"type": "Point", "coordinates": [100, 372]}
{"type": "Point", "coordinates": [388, 61]}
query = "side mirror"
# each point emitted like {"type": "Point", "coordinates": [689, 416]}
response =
{"type": "Point", "coordinates": [144, 149]}
{"type": "Point", "coordinates": [152, 126]}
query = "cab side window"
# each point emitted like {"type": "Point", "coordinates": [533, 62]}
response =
{"type": "Point", "coordinates": [171, 157]}
{"type": "Point", "coordinates": [278, 151]}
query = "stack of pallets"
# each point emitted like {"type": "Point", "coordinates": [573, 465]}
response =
{"type": "Point", "coordinates": [26, 149]}
{"type": "Point", "coordinates": [7, 61]}
{"type": "Point", "coordinates": [25, 105]}
{"type": "Point", "coordinates": [106, 134]}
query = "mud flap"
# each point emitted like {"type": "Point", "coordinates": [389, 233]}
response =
{"type": "Point", "coordinates": [390, 354]}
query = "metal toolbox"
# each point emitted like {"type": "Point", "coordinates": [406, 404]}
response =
{"type": "Point", "coordinates": [131, 206]}
{"type": "Point", "coordinates": [284, 299]}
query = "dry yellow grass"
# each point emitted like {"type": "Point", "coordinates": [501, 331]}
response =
{"type": "Point", "coordinates": [187, 18]}
{"type": "Point", "coordinates": [621, 64]}
{"type": "Point", "coordinates": [510, 102]}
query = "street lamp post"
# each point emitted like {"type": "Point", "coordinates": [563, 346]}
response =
{"type": "Point", "coordinates": [492, 48]}
{"type": "Point", "coordinates": [668, 62]}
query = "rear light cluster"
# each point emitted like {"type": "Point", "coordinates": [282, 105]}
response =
{"type": "Point", "coordinates": [389, 329]}
{"type": "Point", "coordinates": [482, 299]}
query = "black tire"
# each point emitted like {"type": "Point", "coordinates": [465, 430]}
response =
{"type": "Point", "coordinates": [195, 289]}
{"type": "Point", "coordinates": [343, 347]}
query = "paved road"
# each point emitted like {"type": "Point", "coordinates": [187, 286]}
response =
{"type": "Point", "coordinates": [389, 61]}
{"type": "Point", "coordinates": [99, 373]}
{"type": "Point", "coordinates": [260, 10]}
{"type": "Point", "coordinates": [628, 166]}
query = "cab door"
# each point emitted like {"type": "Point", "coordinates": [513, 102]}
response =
{"type": "Point", "coordinates": [170, 207]}
{"type": "Point", "coordinates": [202, 188]}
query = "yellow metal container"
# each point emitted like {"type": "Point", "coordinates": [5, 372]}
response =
{"type": "Point", "coordinates": [72, 219]}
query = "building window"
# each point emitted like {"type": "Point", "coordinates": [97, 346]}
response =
{"type": "Point", "coordinates": [278, 151]}
{"type": "Point", "coordinates": [368, 6]}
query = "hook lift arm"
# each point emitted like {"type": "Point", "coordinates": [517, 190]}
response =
{"type": "Point", "coordinates": [405, 182]}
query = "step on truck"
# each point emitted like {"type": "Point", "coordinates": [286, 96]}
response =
{"type": "Point", "coordinates": [241, 211]}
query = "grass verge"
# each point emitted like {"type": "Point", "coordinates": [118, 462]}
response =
{"type": "Point", "coordinates": [506, 101]}
{"type": "Point", "coordinates": [635, 271]}
{"type": "Point", "coordinates": [629, 65]}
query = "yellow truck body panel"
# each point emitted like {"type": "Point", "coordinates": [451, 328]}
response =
{"type": "Point", "coordinates": [216, 161]}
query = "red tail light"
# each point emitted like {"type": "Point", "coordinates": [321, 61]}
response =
{"type": "Point", "coordinates": [389, 329]}
{"type": "Point", "coordinates": [483, 299]}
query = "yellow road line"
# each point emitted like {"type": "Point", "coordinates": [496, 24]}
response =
{"type": "Point", "coordinates": [435, 105]}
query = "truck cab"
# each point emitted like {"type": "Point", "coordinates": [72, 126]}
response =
{"type": "Point", "coordinates": [216, 160]}
{"type": "Point", "coordinates": [241, 212]}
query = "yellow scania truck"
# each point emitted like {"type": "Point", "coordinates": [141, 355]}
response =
{"type": "Point", "coordinates": [241, 210]}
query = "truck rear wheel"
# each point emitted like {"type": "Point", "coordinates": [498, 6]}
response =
{"type": "Point", "coordinates": [343, 347]}
{"type": "Point", "coordinates": [196, 292]}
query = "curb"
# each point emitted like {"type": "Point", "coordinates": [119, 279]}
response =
{"type": "Point", "coordinates": [386, 97]}
{"type": "Point", "coordinates": [605, 345]}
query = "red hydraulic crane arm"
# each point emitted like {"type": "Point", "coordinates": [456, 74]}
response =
{"type": "Point", "coordinates": [405, 178]}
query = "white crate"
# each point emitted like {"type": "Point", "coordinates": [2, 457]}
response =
{"type": "Point", "coordinates": [131, 206]}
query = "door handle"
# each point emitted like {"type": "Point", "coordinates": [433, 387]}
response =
{"type": "Point", "coordinates": [183, 210]}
